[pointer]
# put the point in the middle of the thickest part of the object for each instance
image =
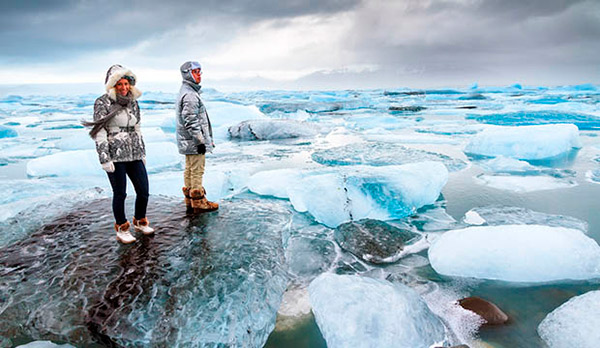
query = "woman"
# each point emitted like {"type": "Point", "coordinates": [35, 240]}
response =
{"type": "Point", "coordinates": [116, 130]}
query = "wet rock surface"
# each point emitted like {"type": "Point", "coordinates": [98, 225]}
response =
{"type": "Point", "coordinates": [209, 280]}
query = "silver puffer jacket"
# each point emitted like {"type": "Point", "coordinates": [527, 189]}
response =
{"type": "Point", "coordinates": [193, 124]}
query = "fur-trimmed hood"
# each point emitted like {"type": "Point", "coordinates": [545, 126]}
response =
{"type": "Point", "coordinates": [113, 75]}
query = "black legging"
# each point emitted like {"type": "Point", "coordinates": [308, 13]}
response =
{"type": "Point", "coordinates": [136, 171]}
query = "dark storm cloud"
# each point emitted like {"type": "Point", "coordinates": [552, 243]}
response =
{"type": "Point", "coordinates": [479, 37]}
{"type": "Point", "coordinates": [55, 29]}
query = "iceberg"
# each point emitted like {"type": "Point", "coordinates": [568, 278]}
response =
{"type": "Point", "coordinates": [525, 142]}
{"type": "Point", "coordinates": [381, 154]}
{"type": "Point", "coordinates": [574, 324]}
{"type": "Point", "coordinates": [354, 311]}
{"type": "Point", "coordinates": [272, 129]}
{"type": "Point", "coordinates": [356, 192]}
{"type": "Point", "coordinates": [210, 280]}
{"type": "Point", "coordinates": [516, 253]}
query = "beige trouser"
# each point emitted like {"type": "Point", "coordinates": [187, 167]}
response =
{"type": "Point", "coordinates": [194, 170]}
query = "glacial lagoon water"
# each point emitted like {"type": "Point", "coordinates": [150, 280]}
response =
{"type": "Point", "coordinates": [297, 171]}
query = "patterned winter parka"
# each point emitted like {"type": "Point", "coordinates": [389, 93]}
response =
{"type": "Point", "coordinates": [121, 139]}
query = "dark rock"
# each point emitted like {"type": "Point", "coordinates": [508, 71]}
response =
{"type": "Point", "coordinates": [467, 107]}
{"type": "Point", "coordinates": [487, 310]}
{"type": "Point", "coordinates": [475, 96]}
{"type": "Point", "coordinates": [373, 240]}
{"type": "Point", "coordinates": [412, 108]}
{"type": "Point", "coordinates": [392, 93]}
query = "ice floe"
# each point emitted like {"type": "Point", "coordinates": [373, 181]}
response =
{"type": "Point", "coordinates": [356, 192]}
{"type": "Point", "coordinates": [525, 142]}
{"type": "Point", "coordinates": [517, 253]}
{"type": "Point", "coordinates": [354, 311]}
{"type": "Point", "coordinates": [574, 324]}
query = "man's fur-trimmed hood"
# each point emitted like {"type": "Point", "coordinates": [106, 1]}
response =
{"type": "Point", "coordinates": [113, 75]}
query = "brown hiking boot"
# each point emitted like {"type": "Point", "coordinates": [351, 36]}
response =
{"type": "Point", "coordinates": [186, 194]}
{"type": "Point", "coordinates": [200, 203]}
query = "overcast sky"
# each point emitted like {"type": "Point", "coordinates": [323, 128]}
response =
{"type": "Point", "coordinates": [305, 44]}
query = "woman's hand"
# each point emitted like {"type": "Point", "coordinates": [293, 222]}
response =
{"type": "Point", "coordinates": [109, 167]}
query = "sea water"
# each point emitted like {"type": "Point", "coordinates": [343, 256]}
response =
{"type": "Point", "coordinates": [291, 166]}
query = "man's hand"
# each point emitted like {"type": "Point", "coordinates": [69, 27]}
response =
{"type": "Point", "coordinates": [201, 149]}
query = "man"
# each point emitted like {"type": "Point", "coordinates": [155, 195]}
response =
{"type": "Point", "coordinates": [194, 138]}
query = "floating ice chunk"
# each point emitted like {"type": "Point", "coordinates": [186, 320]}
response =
{"type": "Point", "coordinates": [526, 142]}
{"type": "Point", "coordinates": [522, 184]}
{"type": "Point", "coordinates": [472, 218]}
{"type": "Point", "coordinates": [509, 165]}
{"type": "Point", "coordinates": [222, 113]}
{"type": "Point", "coordinates": [274, 182]}
{"type": "Point", "coordinates": [271, 129]}
{"type": "Point", "coordinates": [354, 311]}
{"type": "Point", "coordinates": [503, 215]}
{"type": "Point", "coordinates": [309, 257]}
{"type": "Point", "coordinates": [79, 141]}
{"type": "Point", "coordinates": [518, 253]}
{"type": "Point", "coordinates": [355, 192]}
{"type": "Point", "coordinates": [574, 324]}
{"type": "Point", "coordinates": [7, 132]}
{"type": "Point", "coordinates": [68, 163]}
{"type": "Point", "coordinates": [381, 154]}
{"type": "Point", "coordinates": [502, 164]}
{"type": "Point", "coordinates": [85, 162]}
{"type": "Point", "coordinates": [593, 176]}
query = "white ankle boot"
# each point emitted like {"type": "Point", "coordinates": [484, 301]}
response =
{"type": "Point", "coordinates": [143, 225]}
{"type": "Point", "coordinates": [123, 234]}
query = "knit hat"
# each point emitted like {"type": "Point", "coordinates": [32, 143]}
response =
{"type": "Point", "coordinates": [186, 70]}
{"type": "Point", "coordinates": [114, 74]}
